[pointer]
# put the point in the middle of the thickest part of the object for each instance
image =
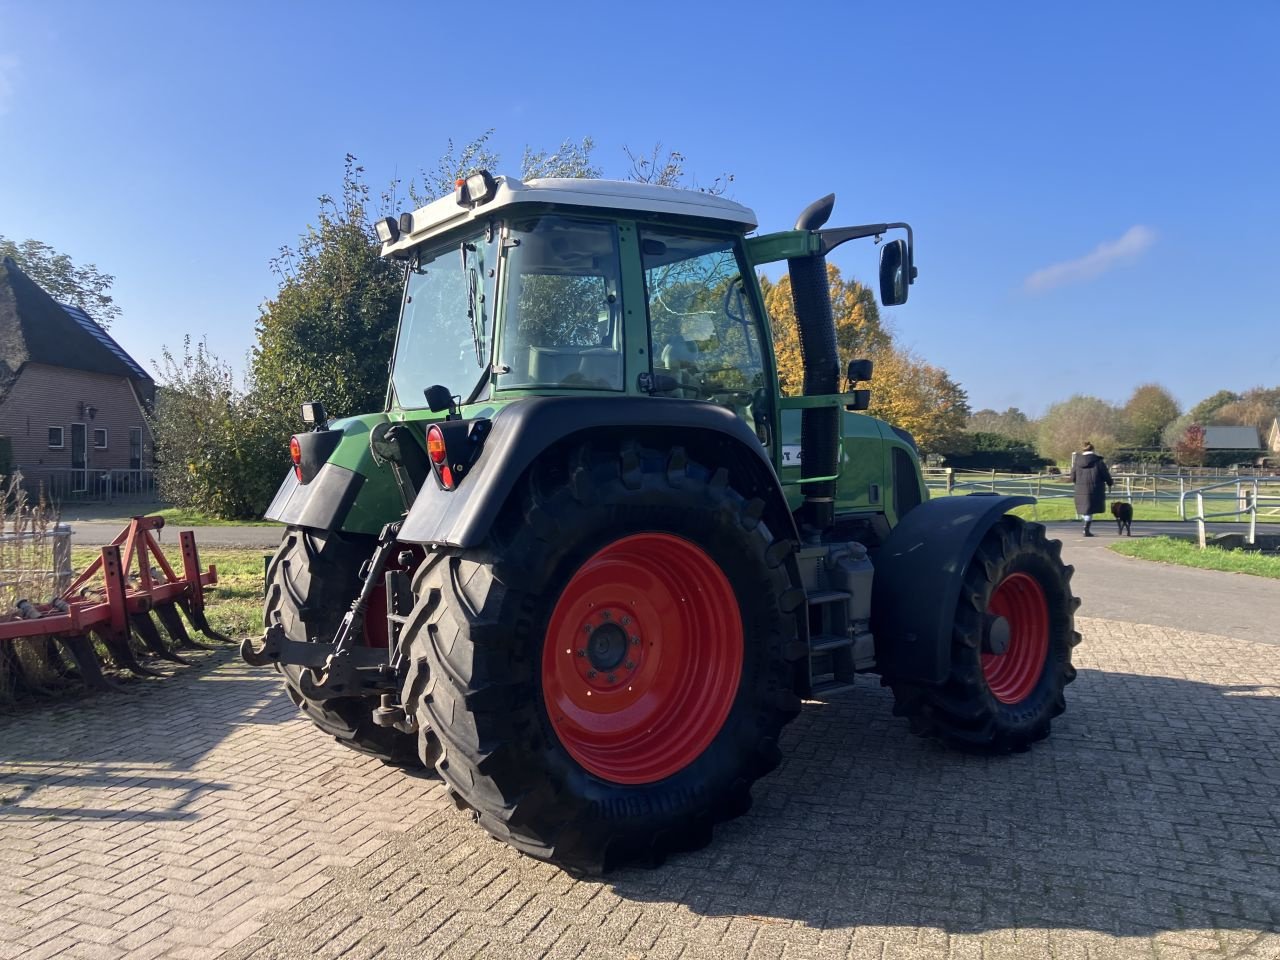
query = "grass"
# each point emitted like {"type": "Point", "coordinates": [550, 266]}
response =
{"type": "Point", "coordinates": [1184, 553]}
{"type": "Point", "coordinates": [182, 517]}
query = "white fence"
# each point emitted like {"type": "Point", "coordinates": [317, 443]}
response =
{"type": "Point", "coordinates": [1259, 495]}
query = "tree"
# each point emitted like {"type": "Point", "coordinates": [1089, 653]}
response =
{"type": "Point", "coordinates": [666, 169]}
{"type": "Point", "coordinates": [859, 329]}
{"type": "Point", "coordinates": [1189, 450]}
{"type": "Point", "coordinates": [909, 393]}
{"type": "Point", "coordinates": [214, 453]}
{"type": "Point", "coordinates": [919, 398]}
{"type": "Point", "coordinates": [1256, 407]}
{"type": "Point", "coordinates": [83, 286]}
{"type": "Point", "coordinates": [1174, 431]}
{"type": "Point", "coordinates": [1068, 425]}
{"type": "Point", "coordinates": [327, 334]}
{"type": "Point", "coordinates": [1148, 412]}
{"type": "Point", "coordinates": [1011, 423]}
{"type": "Point", "coordinates": [1206, 409]}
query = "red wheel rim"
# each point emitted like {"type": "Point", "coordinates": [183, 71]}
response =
{"type": "Point", "coordinates": [643, 658]}
{"type": "Point", "coordinates": [1012, 675]}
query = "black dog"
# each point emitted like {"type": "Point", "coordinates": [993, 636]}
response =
{"type": "Point", "coordinates": [1123, 512]}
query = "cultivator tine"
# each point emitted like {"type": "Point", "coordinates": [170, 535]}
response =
{"type": "Point", "coordinates": [193, 604]}
{"type": "Point", "coordinates": [117, 644]}
{"type": "Point", "coordinates": [86, 661]}
{"type": "Point", "coordinates": [47, 650]}
{"type": "Point", "coordinates": [145, 628]}
{"type": "Point", "coordinates": [200, 621]}
{"type": "Point", "coordinates": [171, 620]}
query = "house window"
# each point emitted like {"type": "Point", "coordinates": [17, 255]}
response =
{"type": "Point", "coordinates": [99, 439]}
{"type": "Point", "coordinates": [55, 438]}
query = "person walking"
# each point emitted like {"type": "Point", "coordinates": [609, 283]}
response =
{"type": "Point", "coordinates": [1091, 479]}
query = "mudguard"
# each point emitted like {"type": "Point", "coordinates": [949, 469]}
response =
{"type": "Point", "coordinates": [348, 492]}
{"type": "Point", "coordinates": [919, 570]}
{"type": "Point", "coordinates": [524, 429]}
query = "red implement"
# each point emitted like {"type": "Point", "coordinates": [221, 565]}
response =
{"type": "Point", "coordinates": [113, 599]}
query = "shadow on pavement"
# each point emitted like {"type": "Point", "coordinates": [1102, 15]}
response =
{"type": "Point", "coordinates": [1154, 807]}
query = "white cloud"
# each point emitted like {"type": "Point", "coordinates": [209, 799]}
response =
{"type": "Point", "coordinates": [1134, 242]}
{"type": "Point", "coordinates": [8, 80]}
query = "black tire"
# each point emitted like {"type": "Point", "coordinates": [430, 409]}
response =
{"type": "Point", "coordinates": [311, 581]}
{"type": "Point", "coordinates": [478, 631]}
{"type": "Point", "coordinates": [963, 711]}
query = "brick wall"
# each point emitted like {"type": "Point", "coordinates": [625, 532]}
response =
{"type": "Point", "coordinates": [46, 396]}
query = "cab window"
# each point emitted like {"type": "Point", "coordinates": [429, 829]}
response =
{"type": "Point", "coordinates": [562, 320]}
{"type": "Point", "coordinates": [703, 330]}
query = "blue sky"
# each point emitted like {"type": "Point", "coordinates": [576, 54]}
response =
{"type": "Point", "coordinates": [1093, 186]}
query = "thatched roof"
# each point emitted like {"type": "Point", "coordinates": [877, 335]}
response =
{"type": "Point", "coordinates": [34, 328]}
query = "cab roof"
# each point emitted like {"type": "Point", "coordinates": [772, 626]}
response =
{"type": "Point", "coordinates": [446, 213]}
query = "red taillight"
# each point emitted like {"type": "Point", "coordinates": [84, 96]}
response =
{"type": "Point", "coordinates": [295, 454]}
{"type": "Point", "coordinates": [446, 477]}
{"type": "Point", "coordinates": [435, 446]}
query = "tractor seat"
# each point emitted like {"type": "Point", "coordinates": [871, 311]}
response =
{"type": "Point", "coordinates": [679, 360]}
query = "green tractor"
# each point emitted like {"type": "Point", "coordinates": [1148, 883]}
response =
{"type": "Point", "coordinates": [588, 562]}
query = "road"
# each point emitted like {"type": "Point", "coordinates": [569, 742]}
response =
{"type": "Point", "coordinates": [1139, 591]}
{"type": "Point", "coordinates": [199, 816]}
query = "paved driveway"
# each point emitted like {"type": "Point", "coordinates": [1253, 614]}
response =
{"type": "Point", "coordinates": [199, 817]}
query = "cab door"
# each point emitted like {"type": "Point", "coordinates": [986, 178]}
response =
{"type": "Point", "coordinates": [705, 333]}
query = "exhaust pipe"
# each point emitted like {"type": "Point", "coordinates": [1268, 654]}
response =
{"type": "Point", "coordinates": [819, 428]}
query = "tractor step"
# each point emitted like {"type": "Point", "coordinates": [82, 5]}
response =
{"type": "Point", "coordinates": [826, 643]}
{"type": "Point", "coordinates": [819, 597]}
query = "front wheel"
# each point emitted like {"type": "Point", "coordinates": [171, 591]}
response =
{"type": "Point", "coordinates": [1010, 650]}
{"type": "Point", "coordinates": [609, 674]}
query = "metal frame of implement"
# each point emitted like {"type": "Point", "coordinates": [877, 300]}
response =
{"type": "Point", "coordinates": [112, 609]}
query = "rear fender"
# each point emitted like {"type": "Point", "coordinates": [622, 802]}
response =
{"type": "Point", "coordinates": [919, 570]}
{"type": "Point", "coordinates": [526, 429]}
{"type": "Point", "coordinates": [347, 490]}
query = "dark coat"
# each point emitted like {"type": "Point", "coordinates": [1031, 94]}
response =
{"type": "Point", "coordinates": [1091, 478]}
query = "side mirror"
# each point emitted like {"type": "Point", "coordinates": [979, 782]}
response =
{"type": "Point", "coordinates": [860, 370]}
{"type": "Point", "coordinates": [439, 398]}
{"type": "Point", "coordinates": [895, 273]}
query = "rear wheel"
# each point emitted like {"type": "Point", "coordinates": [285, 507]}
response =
{"type": "Point", "coordinates": [1011, 647]}
{"type": "Point", "coordinates": [311, 582]}
{"type": "Point", "coordinates": [609, 675]}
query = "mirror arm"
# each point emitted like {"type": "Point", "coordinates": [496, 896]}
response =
{"type": "Point", "coordinates": [828, 240]}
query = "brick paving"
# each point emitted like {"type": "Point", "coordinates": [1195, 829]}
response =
{"type": "Point", "coordinates": [199, 817]}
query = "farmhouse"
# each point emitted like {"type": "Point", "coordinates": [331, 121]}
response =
{"type": "Point", "coordinates": [71, 400]}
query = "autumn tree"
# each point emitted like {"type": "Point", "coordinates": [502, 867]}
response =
{"type": "Point", "coordinates": [1256, 407]}
{"type": "Point", "coordinates": [1175, 430]}
{"type": "Point", "coordinates": [1068, 425]}
{"type": "Point", "coordinates": [919, 398]}
{"type": "Point", "coordinates": [1189, 450]}
{"type": "Point", "coordinates": [859, 329]}
{"type": "Point", "coordinates": [1150, 409]}
{"type": "Point", "coordinates": [84, 286]}
{"type": "Point", "coordinates": [1207, 409]}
